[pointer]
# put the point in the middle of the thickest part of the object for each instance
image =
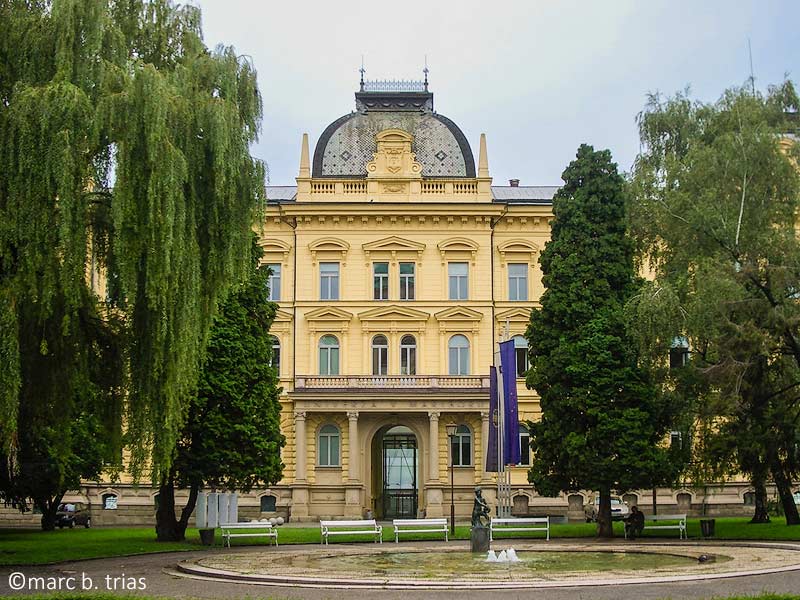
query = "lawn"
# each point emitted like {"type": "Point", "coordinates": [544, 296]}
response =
{"type": "Point", "coordinates": [27, 547]}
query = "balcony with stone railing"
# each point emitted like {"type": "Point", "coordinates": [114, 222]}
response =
{"type": "Point", "coordinates": [428, 383]}
{"type": "Point", "coordinates": [420, 190]}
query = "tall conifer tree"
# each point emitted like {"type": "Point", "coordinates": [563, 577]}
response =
{"type": "Point", "coordinates": [602, 422]}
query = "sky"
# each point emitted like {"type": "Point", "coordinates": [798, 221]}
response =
{"type": "Point", "coordinates": [538, 77]}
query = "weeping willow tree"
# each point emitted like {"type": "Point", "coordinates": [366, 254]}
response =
{"type": "Point", "coordinates": [124, 149]}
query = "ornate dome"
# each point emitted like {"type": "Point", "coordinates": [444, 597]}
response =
{"type": "Point", "coordinates": [348, 144]}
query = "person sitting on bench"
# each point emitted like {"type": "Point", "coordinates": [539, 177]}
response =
{"type": "Point", "coordinates": [634, 523]}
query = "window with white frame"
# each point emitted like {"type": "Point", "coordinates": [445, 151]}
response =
{"type": "Point", "coordinates": [380, 281]}
{"type": "Point", "coordinates": [109, 501]}
{"type": "Point", "coordinates": [274, 282]}
{"type": "Point", "coordinates": [458, 280]}
{"type": "Point", "coordinates": [518, 281]}
{"type": "Point", "coordinates": [380, 355]}
{"type": "Point", "coordinates": [328, 447]}
{"type": "Point", "coordinates": [520, 354]}
{"type": "Point", "coordinates": [408, 281]}
{"type": "Point", "coordinates": [408, 355]}
{"type": "Point", "coordinates": [524, 445]}
{"type": "Point", "coordinates": [458, 355]}
{"type": "Point", "coordinates": [329, 281]}
{"type": "Point", "coordinates": [461, 447]}
{"type": "Point", "coordinates": [328, 355]}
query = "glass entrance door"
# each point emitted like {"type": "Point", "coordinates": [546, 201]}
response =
{"type": "Point", "coordinates": [399, 473]}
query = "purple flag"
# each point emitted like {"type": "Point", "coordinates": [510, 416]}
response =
{"type": "Point", "coordinates": [508, 369]}
{"type": "Point", "coordinates": [491, 446]}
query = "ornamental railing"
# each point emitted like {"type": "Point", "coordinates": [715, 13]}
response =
{"type": "Point", "coordinates": [394, 85]}
{"type": "Point", "coordinates": [375, 382]}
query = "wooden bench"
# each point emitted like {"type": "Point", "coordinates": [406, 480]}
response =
{"type": "Point", "coordinates": [250, 529]}
{"type": "Point", "coordinates": [519, 524]}
{"type": "Point", "coordinates": [359, 527]}
{"type": "Point", "coordinates": [419, 526]}
{"type": "Point", "coordinates": [680, 525]}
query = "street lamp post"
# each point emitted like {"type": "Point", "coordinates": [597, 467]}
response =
{"type": "Point", "coordinates": [451, 434]}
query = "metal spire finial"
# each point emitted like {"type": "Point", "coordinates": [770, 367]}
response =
{"type": "Point", "coordinates": [426, 71]}
{"type": "Point", "coordinates": [362, 70]}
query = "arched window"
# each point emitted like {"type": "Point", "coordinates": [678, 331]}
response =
{"type": "Point", "coordinates": [328, 447]}
{"type": "Point", "coordinates": [109, 501]}
{"type": "Point", "coordinates": [524, 445]}
{"type": "Point", "coordinates": [679, 353]}
{"type": "Point", "coordinates": [268, 503]}
{"type": "Point", "coordinates": [458, 351]}
{"type": "Point", "coordinates": [521, 354]}
{"type": "Point", "coordinates": [328, 355]}
{"type": "Point", "coordinates": [408, 355]}
{"type": "Point", "coordinates": [275, 362]}
{"type": "Point", "coordinates": [380, 355]}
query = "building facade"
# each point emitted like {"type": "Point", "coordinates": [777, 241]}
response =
{"type": "Point", "coordinates": [397, 266]}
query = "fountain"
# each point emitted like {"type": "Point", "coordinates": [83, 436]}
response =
{"type": "Point", "coordinates": [505, 556]}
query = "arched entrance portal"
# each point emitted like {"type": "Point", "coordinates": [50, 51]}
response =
{"type": "Point", "coordinates": [394, 451]}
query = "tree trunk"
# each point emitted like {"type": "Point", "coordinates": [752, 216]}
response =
{"type": "Point", "coordinates": [49, 508]}
{"type": "Point", "coordinates": [761, 514]}
{"type": "Point", "coordinates": [605, 528]}
{"type": "Point", "coordinates": [188, 509]}
{"type": "Point", "coordinates": [784, 485]}
{"type": "Point", "coordinates": [166, 525]}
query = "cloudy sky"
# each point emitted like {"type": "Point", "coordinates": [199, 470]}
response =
{"type": "Point", "coordinates": [539, 77]}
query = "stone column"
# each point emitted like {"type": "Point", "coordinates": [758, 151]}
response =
{"type": "Point", "coordinates": [300, 446]}
{"type": "Point", "coordinates": [484, 443]}
{"type": "Point", "coordinates": [354, 447]}
{"type": "Point", "coordinates": [434, 446]}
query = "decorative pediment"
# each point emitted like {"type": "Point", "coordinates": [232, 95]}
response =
{"type": "Point", "coordinates": [518, 249]}
{"type": "Point", "coordinates": [458, 318]}
{"type": "Point", "coordinates": [514, 315]}
{"type": "Point", "coordinates": [328, 318]}
{"type": "Point", "coordinates": [329, 247]}
{"type": "Point", "coordinates": [272, 247]}
{"type": "Point", "coordinates": [282, 316]}
{"type": "Point", "coordinates": [394, 158]}
{"type": "Point", "coordinates": [393, 318]}
{"type": "Point", "coordinates": [282, 322]}
{"type": "Point", "coordinates": [393, 245]}
{"type": "Point", "coordinates": [458, 247]}
{"type": "Point", "coordinates": [458, 313]}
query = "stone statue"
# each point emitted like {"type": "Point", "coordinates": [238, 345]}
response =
{"type": "Point", "coordinates": [480, 510]}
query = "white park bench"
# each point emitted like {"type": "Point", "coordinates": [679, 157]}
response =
{"type": "Point", "coordinates": [651, 519]}
{"type": "Point", "coordinates": [359, 527]}
{"type": "Point", "coordinates": [519, 524]}
{"type": "Point", "coordinates": [249, 529]}
{"type": "Point", "coordinates": [419, 526]}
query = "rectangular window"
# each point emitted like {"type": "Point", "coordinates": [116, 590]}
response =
{"type": "Point", "coordinates": [524, 445]}
{"type": "Point", "coordinates": [407, 291]}
{"type": "Point", "coordinates": [380, 281]}
{"type": "Point", "coordinates": [329, 281]}
{"type": "Point", "coordinates": [274, 282]}
{"type": "Point", "coordinates": [522, 360]}
{"type": "Point", "coordinates": [458, 279]}
{"type": "Point", "coordinates": [518, 281]}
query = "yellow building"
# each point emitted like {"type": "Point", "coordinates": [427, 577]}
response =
{"type": "Point", "coordinates": [398, 267]}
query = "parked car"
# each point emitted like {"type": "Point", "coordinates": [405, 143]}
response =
{"type": "Point", "coordinates": [619, 510]}
{"type": "Point", "coordinates": [70, 514]}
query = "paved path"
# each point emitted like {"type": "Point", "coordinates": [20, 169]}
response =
{"type": "Point", "coordinates": [152, 569]}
